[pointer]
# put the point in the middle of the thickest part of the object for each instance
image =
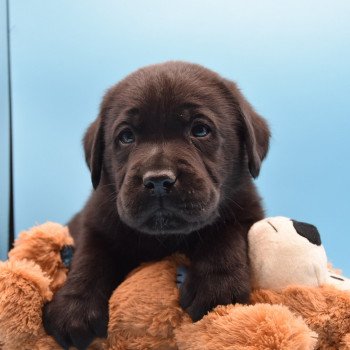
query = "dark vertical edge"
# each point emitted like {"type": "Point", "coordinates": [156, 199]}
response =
{"type": "Point", "coordinates": [11, 198]}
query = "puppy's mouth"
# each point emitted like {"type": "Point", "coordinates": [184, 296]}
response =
{"type": "Point", "coordinates": [165, 221]}
{"type": "Point", "coordinates": [160, 219]}
{"type": "Point", "coordinates": [182, 210]}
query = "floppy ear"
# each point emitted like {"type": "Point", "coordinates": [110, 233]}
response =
{"type": "Point", "coordinates": [93, 141]}
{"type": "Point", "coordinates": [256, 133]}
{"type": "Point", "coordinates": [94, 146]}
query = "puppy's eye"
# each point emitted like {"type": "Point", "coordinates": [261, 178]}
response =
{"type": "Point", "coordinates": [126, 136]}
{"type": "Point", "coordinates": [200, 130]}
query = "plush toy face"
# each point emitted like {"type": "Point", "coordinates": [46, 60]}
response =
{"type": "Point", "coordinates": [285, 252]}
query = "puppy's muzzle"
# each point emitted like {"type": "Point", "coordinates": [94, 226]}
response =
{"type": "Point", "coordinates": [159, 183]}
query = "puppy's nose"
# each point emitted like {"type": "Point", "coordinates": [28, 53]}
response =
{"type": "Point", "coordinates": [159, 182]}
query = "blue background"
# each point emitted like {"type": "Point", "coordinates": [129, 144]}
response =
{"type": "Point", "coordinates": [291, 59]}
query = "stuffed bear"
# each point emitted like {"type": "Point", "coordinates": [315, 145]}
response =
{"type": "Point", "coordinates": [302, 304]}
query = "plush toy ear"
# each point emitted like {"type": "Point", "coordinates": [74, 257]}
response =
{"type": "Point", "coordinates": [310, 232]}
{"type": "Point", "coordinates": [256, 133]}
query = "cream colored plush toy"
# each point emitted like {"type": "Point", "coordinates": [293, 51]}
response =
{"type": "Point", "coordinates": [287, 252]}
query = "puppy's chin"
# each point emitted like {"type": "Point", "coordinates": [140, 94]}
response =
{"type": "Point", "coordinates": [166, 222]}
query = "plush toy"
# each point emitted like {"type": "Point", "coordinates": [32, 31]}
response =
{"type": "Point", "coordinates": [298, 308]}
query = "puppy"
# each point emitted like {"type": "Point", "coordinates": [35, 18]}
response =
{"type": "Point", "coordinates": [172, 155]}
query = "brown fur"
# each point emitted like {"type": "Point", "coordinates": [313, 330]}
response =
{"type": "Point", "coordinates": [205, 211]}
{"type": "Point", "coordinates": [325, 310]}
{"type": "Point", "coordinates": [27, 281]}
{"type": "Point", "coordinates": [49, 239]}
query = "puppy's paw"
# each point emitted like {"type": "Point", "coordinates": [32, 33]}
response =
{"type": "Point", "coordinates": [75, 320]}
{"type": "Point", "coordinates": [200, 293]}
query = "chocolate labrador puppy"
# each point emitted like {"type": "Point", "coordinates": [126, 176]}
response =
{"type": "Point", "coordinates": [172, 155]}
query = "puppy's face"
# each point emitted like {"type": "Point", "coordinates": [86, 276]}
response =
{"type": "Point", "coordinates": [174, 141]}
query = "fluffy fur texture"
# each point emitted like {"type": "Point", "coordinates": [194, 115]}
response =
{"type": "Point", "coordinates": [145, 312]}
{"type": "Point", "coordinates": [172, 155]}
{"type": "Point", "coordinates": [49, 240]}
{"type": "Point", "coordinates": [27, 280]}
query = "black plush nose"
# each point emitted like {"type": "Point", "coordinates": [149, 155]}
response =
{"type": "Point", "coordinates": [159, 183]}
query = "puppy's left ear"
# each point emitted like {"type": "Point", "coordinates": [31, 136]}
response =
{"type": "Point", "coordinates": [256, 132]}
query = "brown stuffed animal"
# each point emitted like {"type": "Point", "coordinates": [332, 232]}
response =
{"type": "Point", "coordinates": [144, 309]}
{"type": "Point", "coordinates": [27, 281]}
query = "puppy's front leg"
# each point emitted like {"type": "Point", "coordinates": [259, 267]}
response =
{"type": "Point", "coordinates": [79, 310]}
{"type": "Point", "coordinates": [219, 273]}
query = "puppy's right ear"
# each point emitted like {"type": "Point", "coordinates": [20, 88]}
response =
{"type": "Point", "coordinates": [94, 147]}
{"type": "Point", "coordinates": [93, 141]}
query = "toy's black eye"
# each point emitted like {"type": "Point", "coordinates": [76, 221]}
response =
{"type": "Point", "coordinates": [200, 130]}
{"type": "Point", "coordinates": [126, 136]}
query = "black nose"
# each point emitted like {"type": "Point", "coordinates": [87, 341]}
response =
{"type": "Point", "coordinates": [159, 183]}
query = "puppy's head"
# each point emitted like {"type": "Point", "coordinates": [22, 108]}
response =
{"type": "Point", "coordinates": [174, 141]}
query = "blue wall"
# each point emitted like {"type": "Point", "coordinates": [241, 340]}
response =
{"type": "Point", "coordinates": [291, 59]}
